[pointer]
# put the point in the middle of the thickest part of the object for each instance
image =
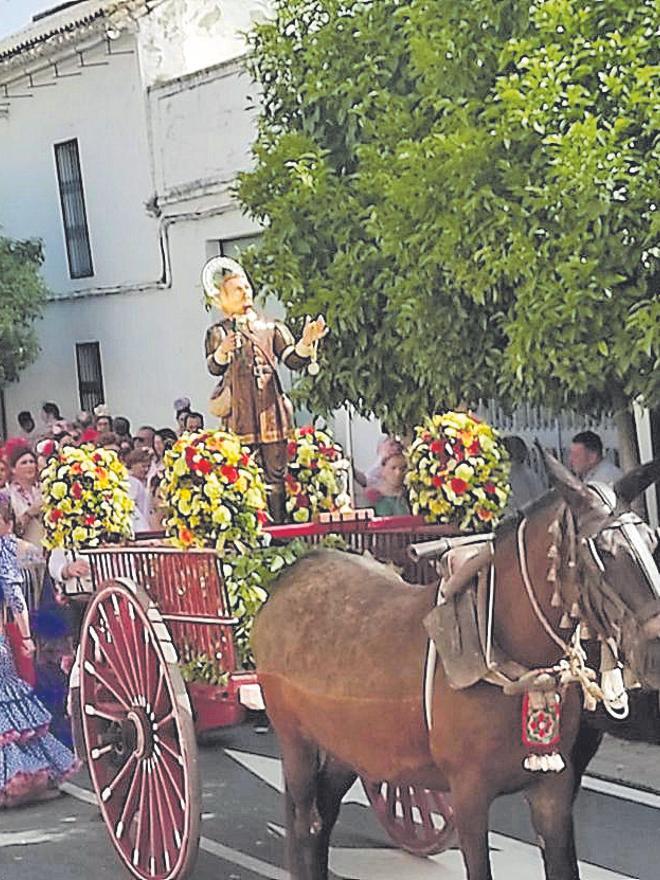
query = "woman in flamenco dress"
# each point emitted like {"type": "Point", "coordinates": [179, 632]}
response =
{"type": "Point", "coordinates": [32, 761]}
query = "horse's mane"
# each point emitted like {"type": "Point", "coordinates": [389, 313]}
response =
{"type": "Point", "coordinates": [510, 523]}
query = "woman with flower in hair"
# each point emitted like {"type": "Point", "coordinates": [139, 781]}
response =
{"type": "Point", "coordinates": [32, 761]}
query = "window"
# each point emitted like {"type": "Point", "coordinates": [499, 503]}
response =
{"type": "Point", "coordinates": [74, 215]}
{"type": "Point", "coordinates": [229, 247]}
{"type": "Point", "coordinates": [90, 377]}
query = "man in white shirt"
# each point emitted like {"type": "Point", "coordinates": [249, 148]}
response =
{"type": "Point", "coordinates": [585, 459]}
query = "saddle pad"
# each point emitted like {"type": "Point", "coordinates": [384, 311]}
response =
{"type": "Point", "coordinates": [454, 628]}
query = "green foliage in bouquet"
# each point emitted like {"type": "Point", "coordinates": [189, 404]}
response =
{"type": "Point", "coordinates": [249, 578]}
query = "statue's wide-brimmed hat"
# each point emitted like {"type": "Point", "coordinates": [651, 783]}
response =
{"type": "Point", "coordinates": [215, 270]}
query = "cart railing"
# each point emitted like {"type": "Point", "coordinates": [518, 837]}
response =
{"type": "Point", "coordinates": [386, 538]}
{"type": "Point", "coordinates": [188, 588]}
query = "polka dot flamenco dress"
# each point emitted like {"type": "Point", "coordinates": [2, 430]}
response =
{"type": "Point", "coordinates": [32, 761]}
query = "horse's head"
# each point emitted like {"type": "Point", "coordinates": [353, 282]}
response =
{"type": "Point", "coordinates": [620, 580]}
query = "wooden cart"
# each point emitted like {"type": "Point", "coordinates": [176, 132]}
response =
{"type": "Point", "coordinates": [132, 715]}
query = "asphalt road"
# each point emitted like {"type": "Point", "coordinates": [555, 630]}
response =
{"type": "Point", "coordinates": [242, 831]}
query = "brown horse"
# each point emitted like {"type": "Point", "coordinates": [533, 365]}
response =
{"type": "Point", "coordinates": [340, 648]}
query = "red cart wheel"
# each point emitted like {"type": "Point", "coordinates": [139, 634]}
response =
{"type": "Point", "coordinates": [418, 820]}
{"type": "Point", "coordinates": [139, 735]}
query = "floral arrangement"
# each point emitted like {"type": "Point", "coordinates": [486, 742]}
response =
{"type": "Point", "coordinates": [315, 481]}
{"type": "Point", "coordinates": [458, 472]}
{"type": "Point", "coordinates": [85, 498]}
{"type": "Point", "coordinates": [214, 492]}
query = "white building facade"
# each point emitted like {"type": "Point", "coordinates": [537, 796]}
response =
{"type": "Point", "coordinates": [119, 152]}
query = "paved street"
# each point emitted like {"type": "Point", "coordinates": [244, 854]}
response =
{"type": "Point", "coordinates": [242, 831]}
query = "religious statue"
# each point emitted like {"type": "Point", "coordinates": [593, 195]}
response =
{"type": "Point", "coordinates": [243, 350]}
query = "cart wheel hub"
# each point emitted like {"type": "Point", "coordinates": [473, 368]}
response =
{"type": "Point", "coordinates": [138, 732]}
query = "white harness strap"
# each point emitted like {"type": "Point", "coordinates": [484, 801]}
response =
{"type": "Point", "coordinates": [429, 669]}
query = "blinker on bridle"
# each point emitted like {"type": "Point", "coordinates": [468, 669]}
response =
{"type": "Point", "coordinates": [628, 525]}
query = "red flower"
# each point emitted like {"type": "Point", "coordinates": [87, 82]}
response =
{"type": "Point", "coordinates": [263, 517]}
{"type": "Point", "coordinates": [475, 448]}
{"type": "Point", "coordinates": [55, 514]}
{"type": "Point", "coordinates": [490, 488]}
{"type": "Point", "coordinates": [302, 500]}
{"type": "Point", "coordinates": [245, 459]}
{"type": "Point", "coordinates": [190, 453]}
{"type": "Point", "coordinates": [426, 436]}
{"type": "Point", "coordinates": [229, 472]}
{"type": "Point", "coordinates": [76, 490]}
{"type": "Point", "coordinates": [306, 431]}
{"type": "Point", "coordinates": [292, 448]}
{"type": "Point", "coordinates": [437, 481]}
{"type": "Point", "coordinates": [185, 535]}
{"type": "Point", "coordinates": [89, 436]}
{"type": "Point", "coordinates": [436, 447]}
{"type": "Point", "coordinates": [202, 466]}
{"type": "Point", "coordinates": [458, 486]}
{"type": "Point", "coordinates": [90, 520]}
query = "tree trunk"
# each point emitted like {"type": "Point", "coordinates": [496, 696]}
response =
{"type": "Point", "coordinates": [628, 446]}
{"type": "Point", "coordinates": [627, 437]}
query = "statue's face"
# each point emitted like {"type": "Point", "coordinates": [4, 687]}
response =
{"type": "Point", "coordinates": [235, 295]}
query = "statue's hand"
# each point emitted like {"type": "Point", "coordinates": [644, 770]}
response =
{"type": "Point", "coordinates": [227, 346]}
{"type": "Point", "coordinates": [314, 330]}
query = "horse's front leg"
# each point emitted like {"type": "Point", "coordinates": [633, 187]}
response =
{"type": "Point", "coordinates": [471, 807]}
{"type": "Point", "coordinates": [551, 804]}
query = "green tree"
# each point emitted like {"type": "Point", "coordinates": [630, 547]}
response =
{"type": "Point", "coordinates": [468, 191]}
{"type": "Point", "coordinates": [22, 297]}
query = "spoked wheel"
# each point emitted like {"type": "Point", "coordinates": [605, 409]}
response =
{"type": "Point", "coordinates": [417, 819]}
{"type": "Point", "coordinates": [139, 736]}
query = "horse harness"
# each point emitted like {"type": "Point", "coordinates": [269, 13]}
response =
{"type": "Point", "coordinates": [461, 627]}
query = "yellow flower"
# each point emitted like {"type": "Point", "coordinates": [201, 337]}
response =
{"type": "Point", "coordinates": [222, 515]}
{"type": "Point", "coordinates": [58, 490]}
{"type": "Point", "coordinates": [464, 472]}
{"type": "Point", "coordinates": [232, 451]}
{"type": "Point", "coordinates": [439, 507]}
{"type": "Point", "coordinates": [79, 534]}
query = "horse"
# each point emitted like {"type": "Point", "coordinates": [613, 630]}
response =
{"type": "Point", "coordinates": [340, 648]}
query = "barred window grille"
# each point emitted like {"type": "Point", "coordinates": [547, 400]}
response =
{"type": "Point", "coordinates": [90, 375]}
{"type": "Point", "coordinates": [74, 215]}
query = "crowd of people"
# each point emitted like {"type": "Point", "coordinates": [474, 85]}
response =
{"type": "Point", "coordinates": [24, 456]}
{"type": "Point", "coordinates": [35, 735]}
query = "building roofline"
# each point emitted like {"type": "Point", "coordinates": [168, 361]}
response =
{"type": "Point", "coordinates": [64, 23]}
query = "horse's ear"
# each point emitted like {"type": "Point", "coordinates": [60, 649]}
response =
{"type": "Point", "coordinates": [637, 481]}
{"type": "Point", "coordinates": [572, 490]}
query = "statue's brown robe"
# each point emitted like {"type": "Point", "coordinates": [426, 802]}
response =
{"type": "Point", "coordinates": [261, 412]}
